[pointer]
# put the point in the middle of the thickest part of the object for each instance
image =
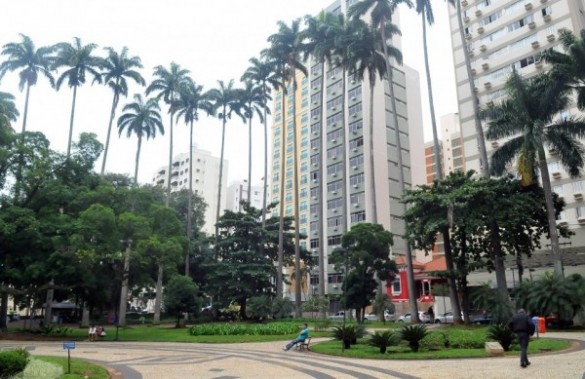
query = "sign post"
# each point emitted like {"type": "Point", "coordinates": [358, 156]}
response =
{"type": "Point", "coordinates": [69, 346]}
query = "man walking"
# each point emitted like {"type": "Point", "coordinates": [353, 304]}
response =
{"type": "Point", "coordinates": [301, 338]}
{"type": "Point", "coordinates": [524, 328]}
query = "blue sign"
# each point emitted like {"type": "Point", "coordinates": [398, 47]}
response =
{"type": "Point", "coordinates": [68, 345]}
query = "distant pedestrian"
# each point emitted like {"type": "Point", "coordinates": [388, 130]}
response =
{"type": "Point", "coordinates": [301, 338]}
{"type": "Point", "coordinates": [431, 314]}
{"type": "Point", "coordinates": [524, 328]}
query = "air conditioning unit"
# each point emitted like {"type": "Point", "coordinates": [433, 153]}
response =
{"type": "Point", "coordinates": [466, 19]}
{"type": "Point", "coordinates": [467, 35]}
{"type": "Point", "coordinates": [562, 223]}
{"type": "Point", "coordinates": [581, 220]}
{"type": "Point", "coordinates": [485, 66]}
{"type": "Point", "coordinates": [483, 47]}
{"type": "Point", "coordinates": [314, 197]}
{"type": "Point", "coordinates": [315, 102]}
{"type": "Point", "coordinates": [528, 6]}
{"type": "Point", "coordinates": [355, 149]}
{"type": "Point", "coordinates": [353, 98]}
{"type": "Point", "coordinates": [334, 210]}
{"type": "Point", "coordinates": [333, 108]}
{"type": "Point", "coordinates": [356, 205]}
{"type": "Point", "coordinates": [355, 186]}
{"type": "Point", "coordinates": [495, 144]}
{"type": "Point", "coordinates": [464, 3]}
{"type": "Point", "coordinates": [478, 13]}
{"type": "Point", "coordinates": [334, 192]}
{"type": "Point", "coordinates": [531, 25]}
{"type": "Point", "coordinates": [354, 115]}
{"type": "Point", "coordinates": [480, 30]}
{"type": "Point", "coordinates": [550, 37]}
{"type": "Point", "coordinates": [538, 64]}
{"type": "Point", "coordinates": [334, 157]}
{"type": "Point", "coordinates": [487, 85]}
{"type": "Point", "coordinates": [578, 195]}
{"type": "Point", "coordinates": [556, 174]}
{"type": "Point", "coordinates": [535, 45]}
{"type": "Point", "coordinates": [355, 167]}
{"type": "Point", "coordinates": [315, 164]}
{"type": "Point", "coordinates": [315, 117]}
{"type": "Point", "coordinates": [334, 140]}
{"type": "Point", "coordinates": [473, 72]}
{"type": "Point", "coordinates": [334, 175]}
{"type": "Point", "coordinates": [546, 17]}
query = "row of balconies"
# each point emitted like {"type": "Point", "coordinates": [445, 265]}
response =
{"type": "Point", "coordinates": [478, 12]}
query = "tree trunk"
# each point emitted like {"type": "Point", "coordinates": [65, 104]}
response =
{"type": "Point", "coordinates": [550, 211]}
{"type": "Point", "coordinates": [190, 203]}
{"type": "Point", "coordinates": [168, 199]}
{"type": "Point", "coordinates": [71, 122]}
{"type": "Point", "coordinates": [453, 297]}
{"type": "Point", "coordinates": [279, 277]}
{"type": "Point", "coordinates": [374, 218]}
{"type": "Point", "coordinates": [438, 161]}
{"type": "Point", "coordinates": [112, 115]}
{"type": "Point", "coordinates": [137, 159]}
{"type": "Point", "coordinates": [321, 206]}
{"type": "Point", "coordinates": [266, 181]}
{"type": "Point", "coordinates": [3, 309]}
{"type": "Point", "coordinates": [484, 163]}
{"type": "Point", "coordinates": [85, 316]}
{"type": "Point", "coordinates": [218, 209]}
{"type": "Point", "coordinates": [25, 115]}
{"type": "Point", "coordinates": [298, 278]}
{"type": "Point", "coordinates": [408, 253]}
{"type": "Point", "coordinates": [250, 159]}
{"type": "Point", "coordinates": [158, 297]}
{"type": "Point", "coordinates": [49, 303]}
{"type": "Point", "coordinates": [124, 291]}
{"type": "Point", "coordinates": [498, 258]}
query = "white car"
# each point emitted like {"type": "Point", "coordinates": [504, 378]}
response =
{"type": "Point", "coordinates": [375, 317]}
{"type": "Point", "coordinates": [445, 318]}
{"type": "Point", "coordinates": [422, 316]}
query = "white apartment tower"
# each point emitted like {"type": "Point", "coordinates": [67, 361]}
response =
{"type": "Point", "coordinates": [335, 186]}
{"type": "Point", "coordinates": [238, 191]}
{"type": "Point", "coordinates": [205, 168]}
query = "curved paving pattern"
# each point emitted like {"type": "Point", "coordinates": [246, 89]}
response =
{"type": "Point", "coordinates": [267, 360]}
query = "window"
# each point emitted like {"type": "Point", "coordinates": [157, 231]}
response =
{"type": "Point", "coordinates": [356, 126]}
{"type": "Point", "coordinates": [315, 192]}
{"type": "Point", "coordinates": [314, 175]}
{"type": "Point", "coordinates": [316, 69]}
{"type": "Point", "coordinates": [315, 128]}
{"type": "Point", "coordinates": [335, 203]}
{"type": "Point", "coordinates": [558, 189]}
{"type": "Point", "coordinates": [336, 151]}
{"type": "Point", "coordinates": [334, 221]}
{"type": "Point", "coordinates": [356, 180]}
{"type": "Point", "coordinates": [357, 198]}
{"type": "Point", "coordinates": [314, 243]}
{"type": "Point", "coordinates": [578, 186]}
{"type": "Point", "coordinates": [315, 112]}
{"type": "Point", "coordinates": [335, 278]}
{"type": "Point", "coordinates": [335, 168]}
{"type": "Point", "coordinates": [314, 208]}
{"type": "Point", "coordinates": [554, 167]}
{"type": "Point", "coordinates": [355, 143]}
{"type": "Point", "coordinates": [315, 143]}
{"type": "Point", "coordinates": [315, 159]}
{"type": "Point", "coordinates": [315, 83]}
{"type": "Point", "coordinates": [314, 226]}
{"type": "Point", "coordinates": [315, 98]}
{"type": "Point", "coordinates": [335, 186]}
{"type": "Point", "coordinates": [546, 11]}
{"type": "Point", "coordinates": [338, 117]}
{"type": "Point", "coordinates": [357, 161]}
{"type": "Point", "coordinates": [333, 72]}
{"type": "Point", "coordinates": [354, 92]}
{"type": "Point", "coordinates": [358, 217]}
{"type": "Point", "coordinates": [314, 280]}
{"type": "Point", "coordinates": [355, 109]}
{"type": "Point", "coordinates": [580, 211]}
{"type": "Point", "coordinates": [335, 135]}
{"type": "Point", "coordinates": [334, 240]}
{"type": "Point", "coordinates": [335, 102]}
{"type": "Point", "coordinates": [396, 286]}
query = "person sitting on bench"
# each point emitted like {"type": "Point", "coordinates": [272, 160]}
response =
{"type": "Point", "coordinates": [301, 338]}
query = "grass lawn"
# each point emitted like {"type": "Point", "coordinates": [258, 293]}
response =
{"type": "Point", "coordinates": [79, 368]}
{"type": "Point", "coordinates": [363, 350]}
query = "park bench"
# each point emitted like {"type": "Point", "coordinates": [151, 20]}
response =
{"type": "Point", "coordinates": [304, 345]}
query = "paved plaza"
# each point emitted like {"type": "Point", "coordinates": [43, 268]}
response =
{"type": "Point", "coordinates": [135, 360]}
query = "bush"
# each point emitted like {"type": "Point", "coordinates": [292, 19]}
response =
{"type": "Point", "coordinates": [467, 338]}
{"type": "Point", "coordinates": [259, 307]}
{"type": "Point", "coordinates": [12, 362]}
{"type": "Point", "coordinates": [501, 333]}
{"type": "Point", "coordinates": [349, 334]}
{"type": "Point", "coordinates": [435, 341]}
{"type": "Point", "coordinates": [413, 334]}
{"type": "Point", "coordinates": [272, 329]}
{"type": "Point", "coordinates": [281, 308]}
{"type": "Point", "coordinates": [382, 340]}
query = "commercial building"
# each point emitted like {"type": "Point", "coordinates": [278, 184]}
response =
{"type": "Point", "coordinates": [205, 169]}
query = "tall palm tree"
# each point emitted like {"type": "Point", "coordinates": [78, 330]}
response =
{"type": "Point", "coordinates": [117, 67]}
{"type": "Point", "coordinates": [167, 84]}
{"type": "Point", "coordinates": [381, 12]}
{"type": "Point", "coordinates": [263, 74]}
{"type": "Point", "coordinates": [425, 10]}
{"type": "Point", "coordinates": [225, 102]}
{"type": "Point", "coordinates": [527, 119]}
{"type": "Point", "coordinates": [78, 61]}
{"type": "Point", "coordinates": [320, 36]}
{"type": "Point", "coordinates": [31, 62]}
{"type": "Point", "coordinates": [192, 99]}
{"type": "Point", "coordinates": [251, 98]}
{"type": "Point", "coordinates": [8, 111]}
{"type": "Point", "coordinates": [142, 119]}
{"type": "Point", "coordinates": [286, 48]}
{"type": "Point", "coordinates": [568, 66]}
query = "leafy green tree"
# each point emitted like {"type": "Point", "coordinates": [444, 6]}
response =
{"type": "Point", "coordinates": [259, 307]}
{"type": "Point", "coordinates": [181, 296]}
{"type": "Point", "coordinates": [168, 84]}
{"type": "Point", "coordinates": [490, 300]}
{"type": "Point", "coordinates": [286, 49]}
{"type": "Point", "coordinates": [224, 102]}
{"type": "Point", "coordinates": [381, 12]}
{"type": "Point", "coordinates": [381, 304]}
{"type": "Point", "coordinates": [8, 111]}
{"type": "Point", "coordinates": [143, 119]}
{"type": "Point", "coordinates": [78, 61]}
{"type": "Point", "coordinates": [31, 62]}
{"type": "Point", "coordinates": [527, 120]}
{"type": "Point", "coordinates": [117, 68]}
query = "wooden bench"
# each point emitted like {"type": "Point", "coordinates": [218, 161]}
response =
{"type": "Point", "coordinates": [304, 345]}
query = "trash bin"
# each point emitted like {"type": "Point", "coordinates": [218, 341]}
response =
{"type": "Point", "coordinates": [541, 325]}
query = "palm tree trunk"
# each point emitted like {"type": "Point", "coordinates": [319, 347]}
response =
{"type": "Point", "coordinates": [158, 297]}
{"type": "Point", "coordinates": [550, 210]}
{"type": "Point", "coordinates": [168, 198]}
{"type": "Point", "coordinates": [137, 159]}
{"type": "Point", "coordinates": [298, 278]}
{"type": "Point", "coordinates": [498, 258]}
{"type": "Point", "coordinates": [250, 160]}
{"type": "Point", "coordinates": [218, 209]}
{"type": "Point", "coordinates": [438, 162]}
{"type": "Point", "coordinates": [484, 164]}
{"type": "Point", "coordinates": [279, 277]}
{"type": "Point", "coordinates": [124, 290]}
{"type": "Point", "coordinates": [265, 184]}
{"type": "Point", "coordinates": [190, 202]}
{"type": "Point", "coordinates": [322, 161]}
{"type": "Point", "coordinates": [453, 297]}
{"type": "Point", "coordinates": [372, 171]}
{"type": "Point", "coordinates": [112, 115]}
{"type": "Point", "coordinates": [409, 269]}
{"type": "Point", "coordinates": [25, 115]}
{"type": "Point", "coordinates": [71, 122]}
{"type": "Point", "coordinates": [49, 302]}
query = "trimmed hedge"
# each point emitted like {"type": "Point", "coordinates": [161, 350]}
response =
{"type": "Point", "coordinates": [12, 362]}
{"type": "Point", "coordinates": [271, 329]}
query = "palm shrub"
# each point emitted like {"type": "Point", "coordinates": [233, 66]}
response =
{"type": "Point", "coordinates": [259, 307]}
{"type": "Point", "coordinates": [413, 334]}
{"type": "Point", "coordinates": [382, 340]}
{"type": "Point", "coordinates": [503, 334]}
{"type": "Point", "coordinates": [281, 308]}
{"type": "Point", "coordinates": [13, 362]}
{"type": "Point", "coordinates": [499, 305]}
{"type": "Point", "coordinates": [349, 333]}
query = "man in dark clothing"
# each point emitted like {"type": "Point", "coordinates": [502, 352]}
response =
{"type": "Point", "coordinates": [524, 328]}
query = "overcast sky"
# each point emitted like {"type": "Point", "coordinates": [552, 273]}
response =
{"type": "Point", "coordinates": [213, 39]}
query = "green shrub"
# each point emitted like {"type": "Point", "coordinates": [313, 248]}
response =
{"type": "Point", "coordinates": [382, 340]}
{"type": "Point", "coordinates": [259, 307]}
{"type": "Point", "coordinates": [349, 334]}
{"type": "Point", "coordinates": [234, 329]}
{"type": "Point", "coordinates": [413, 334]}
{"type": "Point", "coordinates": [281, 308]}
{"type": "Point", "coordinates": [435, 340]}
{"type": "Point", "coordinates": [467, 338]}
{"type": "Point", "coordinates": [503, 334]}
{"type": "Point", "coordinates": [12, 362]}
{"type": "Point", "coordinates": [323, 323]}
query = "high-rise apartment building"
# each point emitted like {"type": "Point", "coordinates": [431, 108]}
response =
{"type": "Point", "coordinates": [238, 191]}
{"type": "Point", "coordinates": [205, 168]}
{"type": "Point", "coordinates": [451, 145]}
{"type": "Point", "coordinates": [505, 35]}
{"type": "Point", "coordinates": [335, 186]}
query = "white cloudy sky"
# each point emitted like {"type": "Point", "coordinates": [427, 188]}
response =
{"type": "Point", "coordinates": [213, 39]}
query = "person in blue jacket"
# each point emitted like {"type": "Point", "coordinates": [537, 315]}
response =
{"type": "Point", "coordinates": [301, 338]}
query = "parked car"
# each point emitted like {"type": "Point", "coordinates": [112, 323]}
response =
{"type": "Point", "coordinates": [479, 317]}
{"type": "Point", "coordinates": [13, 317]}
{"type": "Point", "coordinates": [445, 318]}
{"type": "Point", "coordinates": [337, 316]}
{"type": "Point", "coordinates": [423, 317]}
{"type": "Point", "coordinates": [375, 317]}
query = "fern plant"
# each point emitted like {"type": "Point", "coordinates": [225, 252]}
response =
{"type": "Point", "coordinates": [503, 334]}
{"type": "Point", "coordinates": [413, 334]}
{"type": "Point", "coordinates": [382, 340]}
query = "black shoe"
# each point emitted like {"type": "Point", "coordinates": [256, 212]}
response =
{"type": "Point", "coordinates": [523, 365]}
{"type": "Point", "coordinates": [527, 363]}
